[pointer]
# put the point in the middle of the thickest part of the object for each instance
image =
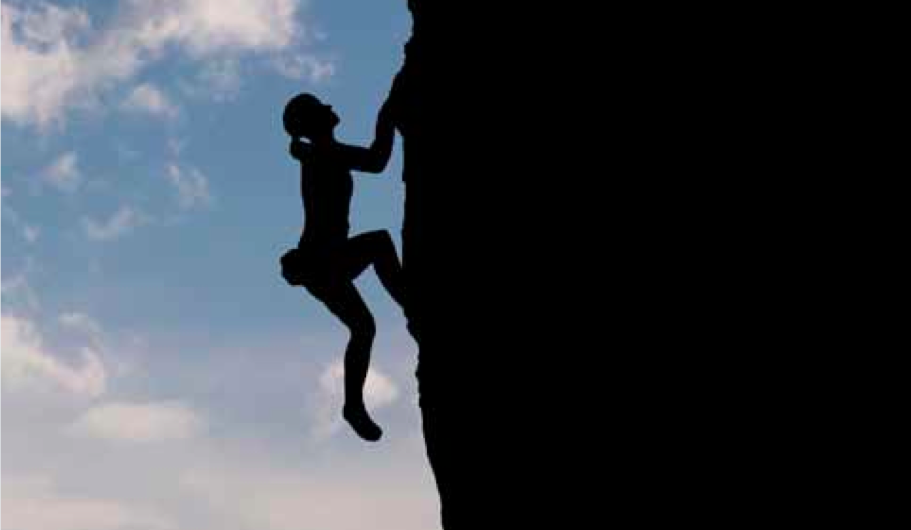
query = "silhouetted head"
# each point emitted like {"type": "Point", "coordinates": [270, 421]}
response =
{"type": "Point", "coordinates": [307, 116]}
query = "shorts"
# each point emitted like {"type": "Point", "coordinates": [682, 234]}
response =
{"type": "Point", "coordinates": [311, 267]}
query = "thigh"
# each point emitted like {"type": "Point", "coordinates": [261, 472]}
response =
{"type": "Point", "coordinates": [344, 301]}
{"type": "Point", "coordinates": [361, 251]}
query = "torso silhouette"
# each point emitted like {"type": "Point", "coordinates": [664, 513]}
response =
{"type": "Point", "coordinates": [326, 191]}
{"type": "Point", "coordinates": [327, 262]}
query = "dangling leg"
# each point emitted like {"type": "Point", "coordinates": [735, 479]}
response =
{"type": "Point", "coordinates": [346, 303]}
{"type": "Point", "coordinates": [377, 249]}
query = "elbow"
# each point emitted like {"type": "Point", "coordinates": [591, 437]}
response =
{"type": "Point", "coordinates": [376, 166]}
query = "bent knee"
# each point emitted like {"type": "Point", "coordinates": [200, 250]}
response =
{"type": "Point", "coordinates": [364, 329]}
{"type": "Point", "coordinates": [380, 238]}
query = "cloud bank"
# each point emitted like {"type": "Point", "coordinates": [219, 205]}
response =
{"type": "Point", "coordinates": [56, 60]}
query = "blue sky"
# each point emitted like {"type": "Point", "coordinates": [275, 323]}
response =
{"type": "Point", "coordinates": [157, 371]}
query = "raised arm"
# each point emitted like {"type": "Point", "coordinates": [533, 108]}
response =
{"type": "Point", "coordinates": [373, 159]}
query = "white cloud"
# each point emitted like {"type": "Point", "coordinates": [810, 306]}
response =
{"type": "Point", "coordinates": [148, 99]}
{"type": "Point", "coordinates": [139, 422]}
{"type": "Point", "coordinates": [27, 365]}
{"type": "Point", "coordinates": [207, 27]}
{"type": "Point", "coordinates": [123, 221]}
{"type": "Point", "coordinates": [106, 482]}
{"type": "Point", "coordinates": [63, 173]}
{"type": "Point", "coordinates": [40, 64]}
{"type": "Point", "coordinates": [379, 392]}
{"type": "Point", "coordinates": [54, 61]}
{"type": "Point", "coordinates": [32, 503]}
{"type": "Point", "coordinates": [191, 185]}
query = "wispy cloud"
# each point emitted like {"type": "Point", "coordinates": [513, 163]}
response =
{"type": "Point", "coordinates": [191, 185]}
{"type": "Point", "coordinates": [34, 503]}
{"type": "Point", "coordinates": [63, 174]}
{"type": "Point", "coordinates": [218, 80]}
{"type": "Point", "coordinates": [176, 146]}
{"type": "Point", "coordinates": [121, 222]}
{"type": "Point", "coordinates": [149, 99]}
{"type": "Point", "coordinates": [139, 422]}
{"type": "Point", "coordinates": [28, 366]}
{"type": "Point", "coordinates": [83, 324]}
{"type": "Point", "coordinates": [17, 291]}
{"type": "Point", "coordinates": [55, 61]}
{"type": "Point", "coordinates": [30, 233]}
{"type": "Point", "coordinates": [309, 67]}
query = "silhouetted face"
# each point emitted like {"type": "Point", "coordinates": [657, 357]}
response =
{"type": "Point", "coordinates": [324, 118]}
{"type": "Point", "coordinates": [307, 116]}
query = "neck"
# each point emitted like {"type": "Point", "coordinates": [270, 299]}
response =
{"type": "Point", "coordinates": [323, 139]}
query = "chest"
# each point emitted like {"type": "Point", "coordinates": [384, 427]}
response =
{"type": "Point", "coordinates": [326, 180]}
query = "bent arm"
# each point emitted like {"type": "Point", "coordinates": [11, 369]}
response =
{"type": "Point", "coordinates": [373, 159]}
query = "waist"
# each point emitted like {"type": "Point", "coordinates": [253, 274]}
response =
{"type": "Point", "coordinates": [323, 239]}
{"type": "Point", "coordinates": [326, 230]}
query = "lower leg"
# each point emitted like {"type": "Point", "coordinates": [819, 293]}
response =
{"type": "Point", "coordinates": [346, 303]}
{"type": "Point", "coordinates": [357, 362]}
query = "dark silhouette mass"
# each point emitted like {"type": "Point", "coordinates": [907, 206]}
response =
{"type": "Point", "coordinates": [586, 263]}
{"type": "Point", "coordinates": [326, 261]}
{"type": "Point", "coordinates": [579, 262]}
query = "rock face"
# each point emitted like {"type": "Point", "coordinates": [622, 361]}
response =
{"type": "Point", "coordinates": [574, 262]}
{"type": "Point", "coordinates": [469, 250]}
{"type": "Point", "coordinates": [497, 210]}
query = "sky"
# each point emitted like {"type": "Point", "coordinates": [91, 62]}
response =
{"type": "Point", "coordinates": [157, 372]}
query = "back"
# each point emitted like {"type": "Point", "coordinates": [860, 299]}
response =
{"type": "Point", "coordinates": [326, 190]}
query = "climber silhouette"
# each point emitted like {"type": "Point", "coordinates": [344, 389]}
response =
{"type": "Point", "coordinates": [326, 260]}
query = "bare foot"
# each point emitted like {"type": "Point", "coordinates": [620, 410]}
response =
{"type": "Point", "coordinates": [361, 422]}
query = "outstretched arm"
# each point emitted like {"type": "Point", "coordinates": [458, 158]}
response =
{"type": "Point", "coordinates": [373, 159]}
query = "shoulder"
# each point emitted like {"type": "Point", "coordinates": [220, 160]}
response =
{"type": "Point", "coordinates": [350, 156]}
{"type": "Point", "coordinates": [348, 149]}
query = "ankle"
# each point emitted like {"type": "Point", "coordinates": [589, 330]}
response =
{"type": "Point", "coordinates": [354, 406]}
